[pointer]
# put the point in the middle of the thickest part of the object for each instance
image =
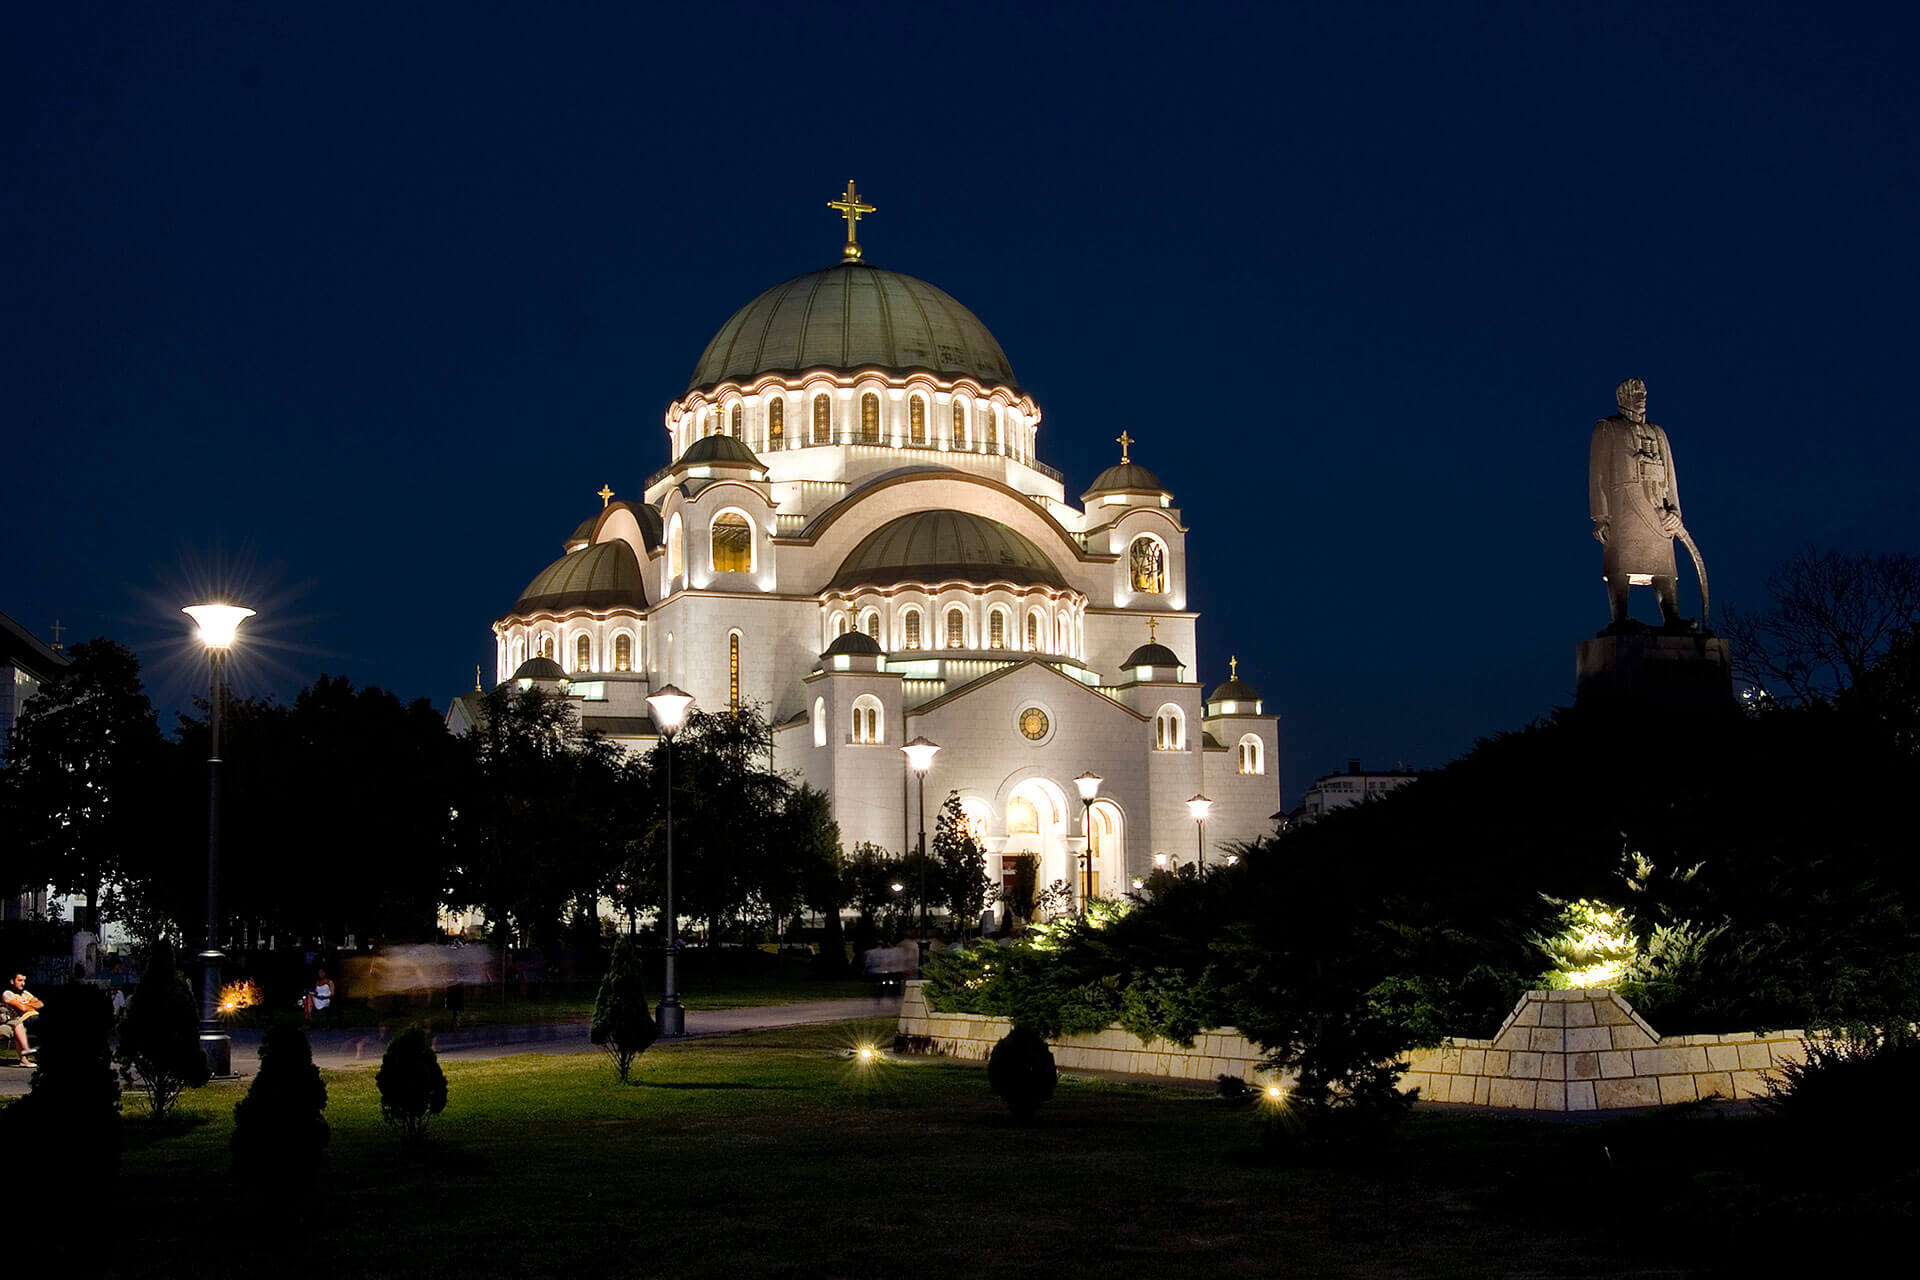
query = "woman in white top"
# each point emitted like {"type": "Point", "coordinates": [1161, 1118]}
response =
{"type": "Point", "coordinates": [317, 999]}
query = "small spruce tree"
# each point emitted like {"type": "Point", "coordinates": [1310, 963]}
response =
{"type": "Point", "coordinates": [70, 1122]}
{"type": "Point", "coordinates": [278, 1131]}
{"type": "Point", "coordinates": [1022, 1072]}
{"type": "Point", "coordinates": [412, 1085]}
{"type": "Point", "coordinates": [622, 1024]}
{"type": "Point", "coordinates": [160, 1035]}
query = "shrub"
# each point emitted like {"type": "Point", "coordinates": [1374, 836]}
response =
{"type": "Point", "coordinates": [1852, 1109]}
{"type": "Point", "coordinates": [412, 1085]}
{"type": "Point", "coordinates": [1021, 1071]}
{"type": "Point", "coordinates": [622, 1023]}
{"type": "Point", "coordinates": [68, 1127]}
{"type": "Point", "coordinates": [160, 1035]}
{"type": "Point", "coordinates": [278, 1131]}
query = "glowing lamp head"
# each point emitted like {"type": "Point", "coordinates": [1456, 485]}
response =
{"type": "Point", "coordinates": [217, 623]}
{"type": "Point", "coordinates": [920, 754]}
{"type": "Point", "coordinates": [896, 886]}
{"type": "Point", "coordinates": [1089, 785]}
{"type": "Point", "coordinates": [1159, 859]}
{"type": "Point", "coordinates": [866, 1053]}
{"type": "Point", "coordinates": [1199, 807]}
{"type": "Point", "coordinates": [669, 707]}
{"type": "Point", "coordinates": [1275, 1093]}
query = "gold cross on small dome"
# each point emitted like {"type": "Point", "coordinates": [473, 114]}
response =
{"type": "Point", "coordinates": [1151, 637]}
{"type": "Point", "coordinates": [1233, 668]}
{"type": "Point", "coordinates": [851, 208]}
{"type": "Point", "coordinates": [1124, 441]}
{"type": "Point", "coordinates": [605, 495]}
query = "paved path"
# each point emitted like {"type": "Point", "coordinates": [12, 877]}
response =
{"type": "Point", "coordinates": [363, 1047]}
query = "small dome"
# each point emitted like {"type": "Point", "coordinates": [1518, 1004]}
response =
{"type": "Point", "coordinates": [854, 642]}
{"type": "Point", "coordinates": [719, 450]}
{"type": "Point", "coordinates": [1152, 655]}
{"type": "Point", "coordinates": [1125, 477]}
{"type": "Point", "coordinates": [582, 536]}
{"type": "Point", "coordinates": [945, 546]}
{"type": "Point", "coordinates": [847, 318]}
{"type": "Point", "coordinates": [1234, 691]}
{"type": "Point", "coordinates": [539, 669]}
{"type": "Point", "coordinates": [605, 576]}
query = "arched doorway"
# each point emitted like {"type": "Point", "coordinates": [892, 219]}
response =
{"type": "Point", "coordinates": [1106, 836]}
{"type": "Point", "coordinates": [1035, 854]}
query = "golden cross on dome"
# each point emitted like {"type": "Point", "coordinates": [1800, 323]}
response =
{"type": "Point", "coordinates": [851, 208]}
{"type": "Point", "coordinates": [57, 629]}
{"type": "Point", "coordinates": [1233, 668]}
{"type": "Point", "coordinates": [605, 495]}
{"type": "Point", "coordinates": [1151, 637]}
{"type": "Point", "coordinates": [1124, 441]}
{"type": "Point", "coordinates": [476, 677]}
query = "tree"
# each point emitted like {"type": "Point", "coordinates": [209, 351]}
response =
{"type": "Point", "coordinates": [71, 1119]}
{"type": "Point", "coordinates": [278, 1131]}
{"type": "Point", "coordinates": [160, 1036]}
{"type": "Point", "coordinates": [622, 1023]}
{"type": "Point", "coordinates": [1832, 616]}
{"type": "Point", "coordinates": [816, 848]}
{"type": "Point", "coordinates": [962, 866]}
{"type": "Point", "coordinates": [79, 794]}
{"type": "Point", "coordinates": [412, 1085]}
{"type": "Point", "coordinates": [867, 882]}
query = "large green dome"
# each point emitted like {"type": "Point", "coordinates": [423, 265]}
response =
{"type": "Point", "coordinates": [850, 317]}
{"type": "Point", "coordinates": [605, 576]}
{"type": "Point", "coordinates": [945, 546]}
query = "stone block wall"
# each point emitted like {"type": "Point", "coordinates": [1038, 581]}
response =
{"type": "Point", "coordinates": [1587, 1050]}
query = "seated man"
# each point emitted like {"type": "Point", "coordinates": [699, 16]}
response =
{"type": "Point", "coordinates": [17, 1004]}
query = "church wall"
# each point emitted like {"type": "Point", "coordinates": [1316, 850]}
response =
{"type": "Point", "coordinates": [1175, 776]}
{"type": "Point", "coordinates": [776, 648]}
{"type": "Point", "coordinates": [1243, 803]}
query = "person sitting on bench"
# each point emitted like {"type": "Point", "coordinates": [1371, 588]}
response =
{"type": "Point", "coordinates": [317, 1000]}
{"type": "Point", "coordinates": [19, 1005]}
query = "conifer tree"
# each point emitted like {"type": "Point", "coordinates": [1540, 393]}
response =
{"type": "Point", "coordinates": [412, 1085]}
{"type": "Point", "coordinates": [278, 1131]}
{"type": "Point", "coordinates": [622, 1024]}
{"type": "Point", "coordinates": [160, 1037]}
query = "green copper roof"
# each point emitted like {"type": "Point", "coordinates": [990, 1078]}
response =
{"type": "Point", "coordinates": [944, 546]}
{"type": "Point", "coordinates": [852, 316]}
{"type": "Point", "coordinates": [605, 576]}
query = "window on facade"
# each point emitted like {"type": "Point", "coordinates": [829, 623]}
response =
{"type": "Point", "coordinates": [822, 419]}
{"type": "Point", "coordinates": [956, 629]}
{"type": "Point", "coordinates": [869, 419]}
{"type": "Point", "coordinates": [993, 430]}
{"type": "Point", "coordinates": [866, 720]}
{"type": "Point", "coordinates": [911, 625]}
{"type": "Point", "coordinates": [1147, 565]}
{"type": "Point", "coordinates": [997, 629]}
{"type": "Point", "coordinates": [1250, 761]}
{"type": "Point", "coordinates": [1166, 729]}
{"type": "Point", "coordinates": [546, 646]}
{"type": "Point", "coordinates": [733, 422]}
{"type": "Point", "coordinates": [623, 652]}
{"type": "Point", "coordinates": [839, 625]}
{"type": "Point", "coordinates": [1062, 635]}
{"type": "Point", "coordinates": [1033, 633]}
{"type": "Point", "coordinates": [870, 623]}
{"type": "Point", "coordinates": [582, 653]}
{"type": "Point", "coordinates": [733, 672]}
{"type": "Point", "coordinates": [916, 420]}
{"type": "Point", "coordinates": [1023, 818]}
{"type": "Point", "coordinates": [819, 722]}
{"type": "Point", "coordinates": [676, 548]}
{"type": "Point", "coordinates": [776, 423]}
{"type": "Point", "coordinates": [959, 424]}
{"type": "Point", "coordinates": [732, 543]}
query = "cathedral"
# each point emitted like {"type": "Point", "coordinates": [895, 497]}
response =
{"type": "Point", "coordinates": [856, 534]}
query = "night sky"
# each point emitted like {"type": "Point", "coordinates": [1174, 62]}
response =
{"type": "Point", "coordinates": [350, 309]}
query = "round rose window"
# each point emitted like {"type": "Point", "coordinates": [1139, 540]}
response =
{"type": "Point", "coordinates": [1033, 723]}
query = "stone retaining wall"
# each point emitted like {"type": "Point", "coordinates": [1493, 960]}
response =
{"type": "Point", "coordinates": [1584, 1050]}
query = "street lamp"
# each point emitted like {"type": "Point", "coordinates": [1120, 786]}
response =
{"type": "Point", "coordinates": [669, 707]}
{"type": "Point", "coordinates": [920, 754]}
{"type": "Point", "coordinates": [1089, 786]}
{"type": "Point", "coordinates": [217, 624]}
{"type": "Point", "coordinates": [1198, 807]}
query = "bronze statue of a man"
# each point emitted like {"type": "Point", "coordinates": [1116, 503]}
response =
{"type": "Point", "coordinates": [1635, 503]}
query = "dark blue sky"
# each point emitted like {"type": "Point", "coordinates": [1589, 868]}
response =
{"type": "Point", "coordinates": [353, 309]}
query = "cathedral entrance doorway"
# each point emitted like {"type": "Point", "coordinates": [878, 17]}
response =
{"type": "Point", "coordinates": [1109, 877]}
{"type": "Point", "coordinates": [1035, 854]}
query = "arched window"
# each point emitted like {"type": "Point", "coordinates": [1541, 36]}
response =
{"type": "Point", "coordinates": [1167, 726]}
{"type": "Point", "coordinates": [623, 652]}
{"type": "Point", "coordinates": [956, 628]}
{"type": "Point", "coordinates": [1147, 565]}
{"type": "Point", "coordinates": [546, 646]}
{"type": "Point", "coordinates": [582, 653]}
{"type": "Point", "coordinates": [1033, 632]}
{"type": "Point", "coordinates": [733, 421]}
{"type": "Point", "coordinates": [517, 656]}
{"type": "Point", "coordinates": [733, 672]}
{"type": "Point", "coordinates": [840, 625]}
{"type": "Point", "coordinates": [1251, 757]}
{"type": "Point", "coordinates": [1062, 635]}
{"type": "Point", "coordinates": [676, 548]}
{"type": "Point", "coordinates": [819, 722]}
{"type": "Point", "coordinates": [910, 624]}
{"type": "Point", "coordinates": [732, 543]}
{"type": "Point", "coordinates": [822, 419]}
{"type": "Point", "coordinates": [777, 423]}
{"type": "Point", "coordinates": [869, 419]}
{"type": "Point", "coordinates": [993, 429]}
{"type": "Point", "coordinates": [997, 629]}
{"type": "Point", "coordinates": [1023, 817]}
{"type": "Point", "coordinates": [916, 420]}
{"type": "Point", "coordinates": [866, 720]}
{"type": "Point", "coordinates": [959, 424]}
{"type": "Point", "coordinates": [870, 623]}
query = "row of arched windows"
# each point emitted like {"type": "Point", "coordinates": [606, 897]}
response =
{"type": "Point", "coordinates": [582, 657]}
{"type": "Point", "coordinates": [956, 629]}
{"type": "Point", "coordinates": [976, 427]}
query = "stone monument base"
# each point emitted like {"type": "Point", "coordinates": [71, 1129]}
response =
{"type": "Point", "coordinates": [1675, 670]}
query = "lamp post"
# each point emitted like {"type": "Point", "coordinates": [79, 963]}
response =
{"type": "Point", "coordinates": [1088, 784]}
{"type": "Point", "coordinates": [669, 707]}
{"type": "Point", "coordinates": [217, 625]}
{"type": "Point", "coordinates": [920, 754]}
{"type": "Point", "coordinates": [1198, 807]}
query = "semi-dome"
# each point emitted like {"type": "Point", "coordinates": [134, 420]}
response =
{"type": "Point", "coordinates": [719, 451]}
{"type": "Point", "coordinates": [538, 668]}
{"type": "Point", "coordinates": [1152, 655]}
{"type": "Point", "coordinates": [605, 576]}
{"type": "Point", "coordinates": [945, 546]}
{"type": "Point", "coordinates": [1124, 477]}
{"type": "Point", "coordinates": [849, 317]}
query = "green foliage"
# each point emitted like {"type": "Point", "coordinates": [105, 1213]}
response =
{"type": "Point", "coordinates": [160, 1035]}
{"type": "Point", "coordinates": [622, 1023]}
{"type": "Point", "coordinates": [1852, 1109]}
{"type": "Point", "coordinates": [867, 880]}
{"type": "Point", "coordinates": [1020, 1069]}
{"type": "Point", "coordinates": [278, 1131]}
{"type": "Point", "coordinates": [412, 1085]}
{"type": "Point", "coordinates": [70, 1122]}
{"type": "Point", "coordinates": [960, 867]}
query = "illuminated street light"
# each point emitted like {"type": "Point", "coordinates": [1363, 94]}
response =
{"type": "Point", "coordinates": [1199, 807]}
{"type": "Point", "coordinates": [1088, 784]}
{"type": "Point", "coordinates": [218, 625]}
{"type": "Point", "coordinates": [669, 707]}
{"type": "Point", "coordinates": [920, 754]}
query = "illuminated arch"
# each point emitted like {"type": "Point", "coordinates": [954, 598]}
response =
{"type": "Point", "coordinates": [731, 535]}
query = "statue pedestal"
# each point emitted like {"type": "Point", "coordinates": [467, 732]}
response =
{"type": "Point", "coordinates": [1678, 672]}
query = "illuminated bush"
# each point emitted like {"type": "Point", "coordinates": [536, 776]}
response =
{"type": "Point", "coordinates": [1594, 946]}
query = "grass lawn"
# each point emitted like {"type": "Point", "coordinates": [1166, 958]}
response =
{"type": "Point", "coordinates": [774, 1154]}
